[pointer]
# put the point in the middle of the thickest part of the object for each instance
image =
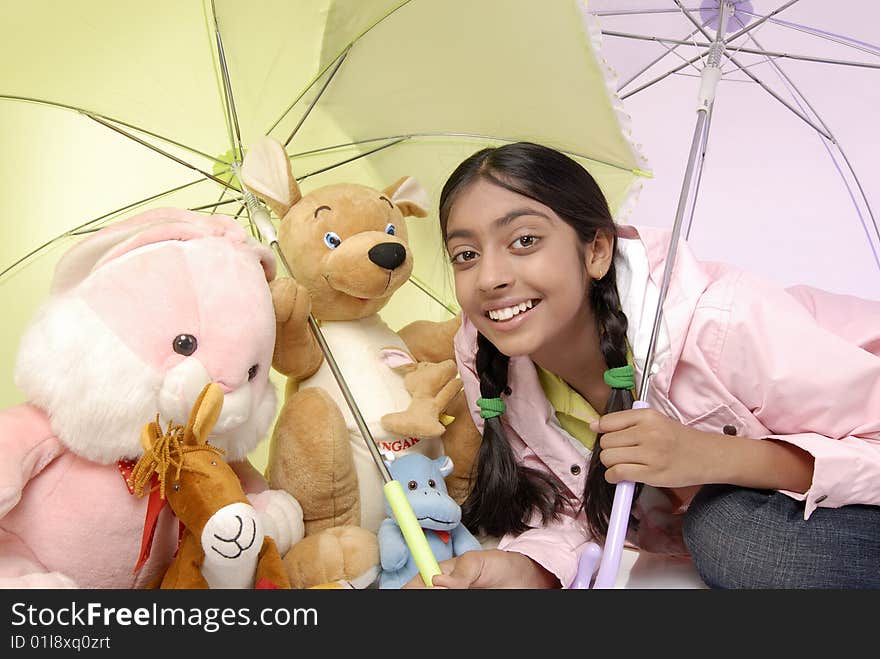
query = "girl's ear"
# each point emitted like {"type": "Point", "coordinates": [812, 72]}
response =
{"type": "Point", "coordinates": [599, 254]}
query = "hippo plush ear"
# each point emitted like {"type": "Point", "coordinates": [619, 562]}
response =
{"type": "Point", "coordinates": [444, 463]}
{"type": "Point", "coordinates": [409, 196]}
{"type": "Point", "coordinates": [266, 172]}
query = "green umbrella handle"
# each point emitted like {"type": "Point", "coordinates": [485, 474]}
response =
{"type": "Point", "coordinates": [412, 532]}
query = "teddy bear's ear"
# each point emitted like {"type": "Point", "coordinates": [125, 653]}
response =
{"type": "Point", "coordinates": [409, 196]}
{"type": "Point", "coordinates": [266, 172]}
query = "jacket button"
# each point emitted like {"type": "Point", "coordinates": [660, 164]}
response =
{"type": "Point", "coordinates": [575, 470]}
{"type": "Point", "coordinates": [729, 429]}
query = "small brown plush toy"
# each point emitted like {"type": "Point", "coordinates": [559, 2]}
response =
{"type": "Point", "coordinates": [346, 245]}
{"type": "Point", "coordinates": [222, 545]}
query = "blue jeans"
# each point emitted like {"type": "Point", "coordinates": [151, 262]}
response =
{"type": "Point", "coordinates": [742, 538]}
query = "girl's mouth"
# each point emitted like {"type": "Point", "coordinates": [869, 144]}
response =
{"type": "Point", "coordinates": [507, 314]}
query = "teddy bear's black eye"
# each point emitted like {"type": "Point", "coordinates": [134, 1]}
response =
{"type": "Point", "coordinates": [412, 485]}
{"type": "Point", "coordinates": [431, 483]}
{"type": "Point", "coordinates": [185, 344]}
{"type": "Point", "coordinates": [177, 487]}
{"type": "Point", "coordinates": [252, 371]}
{"type": "Point", "coordinates": [332, 240]}
{"type": "Point", "coordinates": [390, 230]}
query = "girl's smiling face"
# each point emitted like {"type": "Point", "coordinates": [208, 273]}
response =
{"type": "Point", "coordinates": [522, 274]}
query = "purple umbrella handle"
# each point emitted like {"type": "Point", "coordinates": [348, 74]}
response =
{"type": "Point", "coordinates": [587, 566]}
{"type": "Point", "coordinates": [617, 525]}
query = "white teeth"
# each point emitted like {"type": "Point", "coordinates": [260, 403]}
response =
{"type": "Point", "coordinates": [509, 312]}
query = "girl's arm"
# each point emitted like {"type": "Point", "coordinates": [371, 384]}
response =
{"type": "Point", "coordinates": [490, 568]}
{"type": "Point", "coordinates": [646, 446]}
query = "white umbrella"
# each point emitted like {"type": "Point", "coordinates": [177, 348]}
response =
{"type": "Point", "coordinates": [789, 187]}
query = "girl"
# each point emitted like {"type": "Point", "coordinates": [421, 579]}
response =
{"type": "Point", "coordinates": [764, 402]}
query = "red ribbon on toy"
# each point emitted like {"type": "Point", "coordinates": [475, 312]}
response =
{"type": "Point", "coordinates": [154, 506]}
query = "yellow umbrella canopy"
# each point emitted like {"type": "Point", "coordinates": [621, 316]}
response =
{"type": "Point", "coordinates": [111, 107]}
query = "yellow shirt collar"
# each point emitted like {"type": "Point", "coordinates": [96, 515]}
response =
{"type": "Point", "coordinates": [573, 411]}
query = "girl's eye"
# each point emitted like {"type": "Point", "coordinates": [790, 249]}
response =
{"type": "Point", "coordinates": [332, 240]}
{"type": "Point", "coordinates": [525, 241]}
{"type": "Point", "coordinates": [390, 230]}
{"type": "Point", "coordinates": [464, 256]}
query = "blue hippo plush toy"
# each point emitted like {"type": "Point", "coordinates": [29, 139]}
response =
{"type": "Point", "coordinates": [437, 512]}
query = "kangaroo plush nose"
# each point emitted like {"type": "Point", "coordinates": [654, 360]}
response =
{"type": "Point", "coordinates": [387, 255]}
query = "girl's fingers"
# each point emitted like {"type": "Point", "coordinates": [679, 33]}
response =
{"type": "Point", "coordinates": [627, 472]}
{"type": "Point", "coordinates": [611, 457]}
{"type": "Point", "coordinates": [616, 421]}
{"type": "Point", "coordinates": [619, 439]}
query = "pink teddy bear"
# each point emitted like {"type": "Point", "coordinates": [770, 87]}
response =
{"type": "Point", "coordinates": [141, 316]}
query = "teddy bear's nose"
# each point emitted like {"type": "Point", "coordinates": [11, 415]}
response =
{"type": "Point", "coordinates": [387, 255]}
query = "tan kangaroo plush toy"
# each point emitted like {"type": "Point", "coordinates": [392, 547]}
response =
{"type": "Point", "coordinates": [346, 245]}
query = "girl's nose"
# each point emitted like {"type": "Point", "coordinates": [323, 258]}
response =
{"type": "Point", "coordinates": [495, 273]}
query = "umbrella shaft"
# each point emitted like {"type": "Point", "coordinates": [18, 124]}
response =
{"type": "Point", "coordinates": [684, 197]}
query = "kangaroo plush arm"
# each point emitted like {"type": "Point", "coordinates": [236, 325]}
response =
{"type": "Point", "coordinates": [297, 353]}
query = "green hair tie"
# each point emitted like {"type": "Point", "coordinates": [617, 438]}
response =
{"type": "Point", "coordinates": [620, 377]}
{"type": "Point", "coordinates": [491, 407]}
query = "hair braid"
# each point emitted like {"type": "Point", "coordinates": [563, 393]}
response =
{"type": "Point", "coordinates": [612, 324]}
{"type": "Point", "coordinates": [504, 493]}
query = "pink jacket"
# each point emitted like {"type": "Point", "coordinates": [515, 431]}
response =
{"type": "Point", "coordinates": [736, 354]}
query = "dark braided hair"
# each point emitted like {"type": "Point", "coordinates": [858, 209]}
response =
{"type": "Point", "coordinates": [505, 494]}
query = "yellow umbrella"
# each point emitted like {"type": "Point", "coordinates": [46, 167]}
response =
{"type": "Point", "coordinates": [109, 107]}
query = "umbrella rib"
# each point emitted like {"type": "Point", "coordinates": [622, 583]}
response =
{"type": "Point", "coordinates": [321, 73]}
{"type": "Point", "coordinates": [750, 51]}
{"type": "Point", "coordinates": [80, 229]}
{"type": "Point", "coordinates": [799, 94]}
{"type": "Point", "coordinates": [91, 114]}
{"type": "Point", "coordinates": [160, 151]}
{"type": "Point", "coordinates": [755, 78]}
{"type": "Point", "coordinates": [746, 29]}
{"type": "Point", "coordinates": [828, 36]}
{"type": "Point", "coordinates": [320, 93]}
{"type": "Point", "coordinates": [418, 283]}
{"type": "Point", "coordinates": [215, 204]}
{"type": "Point", "coordinates": [654, 61]}
{"type": "Point", "coordinates": [353, 158]}
{"type": "Point", "coordinates": [227, 87]}
{"type": "Point", "coordinates": [401, 138]}
{"type": "Point", "coordinates": [637, 12]}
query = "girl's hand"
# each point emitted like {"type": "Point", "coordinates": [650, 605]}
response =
{"type": "Point", "coordinates": [646, 446]}
{"type": "Point", "coordinates": [489, 568]}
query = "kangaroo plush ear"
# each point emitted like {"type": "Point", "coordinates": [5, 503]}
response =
{"type": "Point", "coordinates": [409, 196]}
{"type": "Point", "coordinates": [444, 462]}
{"type": "Point", "coordinates": [266, 172]}
{"type": "Point", "coordinates": [398, 360]}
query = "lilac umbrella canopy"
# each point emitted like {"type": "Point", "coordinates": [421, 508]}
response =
{"type": "Point", "coordinates": [789, 186]}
